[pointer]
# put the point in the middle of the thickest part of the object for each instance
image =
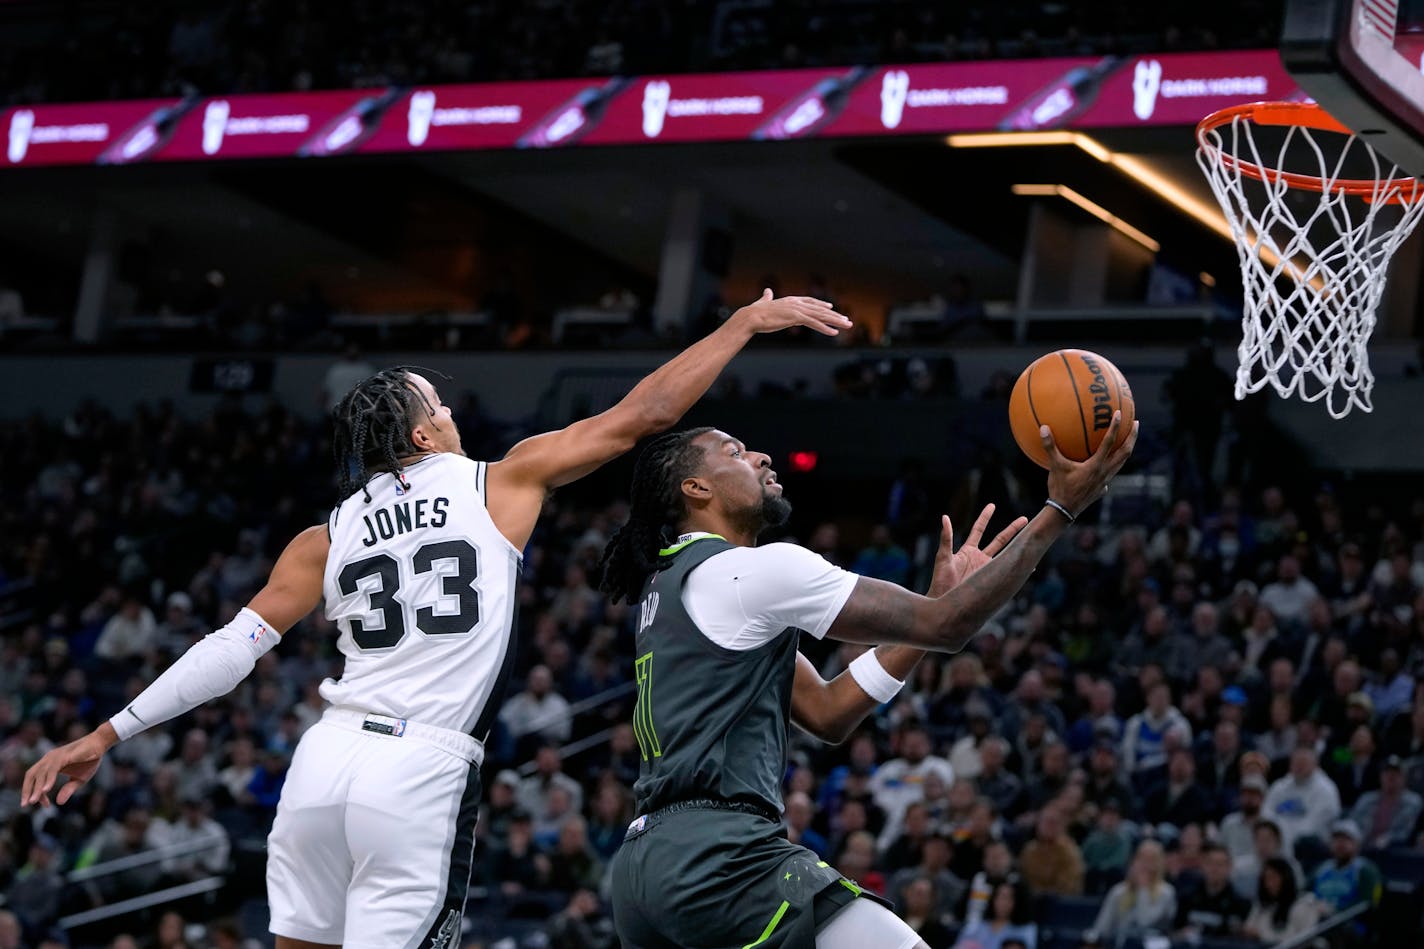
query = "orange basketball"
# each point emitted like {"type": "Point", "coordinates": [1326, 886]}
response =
{"type": "Point", "coordinates": [1073, 392]}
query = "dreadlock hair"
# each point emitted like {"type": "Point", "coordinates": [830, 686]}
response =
{"type": "Point", "coordinates": [373, 425]}
{"type": "Point", "coordinates": [655, 506]}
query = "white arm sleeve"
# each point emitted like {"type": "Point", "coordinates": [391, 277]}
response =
{"type": "Point", "coordinates": [745, 597]}
{"type": "Point", "coordinates": [212, 667]}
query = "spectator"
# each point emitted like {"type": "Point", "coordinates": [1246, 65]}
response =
{"type": "Point", "coordinates": [1107, 850]}
{"type": "Point", "coordinates": [1030, 698]}
{"type": "Point", "coordinates": [582, 924]}
{"type": "Point", "coordinates": [207, 838]}
{"type": "Point", "coordinates": [998, 868]}
{"type": "Point", "coordinates": [1053, 778]}
{"type": "Point", "coordinates": [1268, 844]}
{"type": "Point", "coordinates": [1051, 861]}
{"type": "Point", "coordinates": [1213, 909]}
{"type": "Point", "coordinates": [573, 864]}
{"type": "Point", "coordinates": [516, 865]}
{"type": "Point", "coordinates": [933, 865]}
{"type": "Point", "coordinates": [1142, 905]}
{"type": "Point", "coordinates": [34, 894]}
{"type": "Point", "coordinates": [1305, 801]}
{"type": "Point", "coordinates": [1387, 817]}
{"type": "Point", "coordinates": [1237, 831]}
{"type": "Point", "coordinates": [1103, 781]}
{"type": "Point", "coordinates": [1145, 739]}
{"type": "Point", "coordinates": [966, 756]}
{"type": "Point", "coordinates": [1290, 596]}
{"type": "Point", "coordinates": [799, 813]}
{"type": "Point", "coordinates": [129, 634]}
{"type": "Point", "coordinates": [1278, 742]}
{"type": "Point", "coordinates": [1152, 644]}
{"type": "Point", "coordinates": [197, 775]}
{"type": "Point", "coordinates": [1393, 687]}
{"type": "Point", "coordinates": [920, 909]}
{"type": "Point", "coordinates": [1279, 913]}
{"type": "Point", "coordinates": [995, 782]}
{"type": "Point", "coordinates": [1355, 769]}
{"type": "Point", "coordinates": [1181, 800]}
{"type": "Point", "coordinates": [538, 710]}
{"type": "Point", "coordinates": [1008, 918]}
{"type": "Point", "coordinates": [535, 790]}
{"type": "Point", "coordinates": [1099, 721]}
{"type": "Point", "coordinates": [9, 930]}
{"type": "Point", "coordinates": [898, 783]}
{"type": "Point", "coordinates": [1347, 879]}
{"type": "Point", "coordinates": [1204, 646]}
{"type": "Point", "coordinates": [883, 559]}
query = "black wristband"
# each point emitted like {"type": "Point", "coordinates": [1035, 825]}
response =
{"type": "Point", "coordinates": [1060, 509]}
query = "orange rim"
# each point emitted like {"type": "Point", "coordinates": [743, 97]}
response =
{"type": "Point", "coordinates": [1304, 115]}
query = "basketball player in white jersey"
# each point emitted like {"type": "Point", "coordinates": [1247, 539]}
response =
{"type": "Point", "coordinates": [374, 834]}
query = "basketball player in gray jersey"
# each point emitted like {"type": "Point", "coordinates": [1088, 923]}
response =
{"type": "Point", "coordinates": [374, 835]}
{"type": "Point", "coordinates": [706, 862]}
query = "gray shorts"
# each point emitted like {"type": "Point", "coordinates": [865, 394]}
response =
{"type": "Point", "coordinates": [704, 878]}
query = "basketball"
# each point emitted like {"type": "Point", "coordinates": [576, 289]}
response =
{"type": "Point", "coordinates": [1073, 392]}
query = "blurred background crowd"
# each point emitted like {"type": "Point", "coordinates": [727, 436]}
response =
{"type": "Point", "coordinates": [1200, 723]}
{"type": "Point", "coordinates": [116, 51]}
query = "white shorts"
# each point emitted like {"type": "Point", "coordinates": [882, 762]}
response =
{"type": "Point", "coordinates": [374, 836]}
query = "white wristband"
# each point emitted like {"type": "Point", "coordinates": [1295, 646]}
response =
{"type": "Point", "coordinates": [871, 676]}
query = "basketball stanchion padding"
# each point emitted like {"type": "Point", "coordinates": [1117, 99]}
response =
{"type": "Point", "coordinates": [1317, 214]}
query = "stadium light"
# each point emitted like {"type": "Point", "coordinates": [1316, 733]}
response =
{"type": "Point", "coordinates": [1092, 207]}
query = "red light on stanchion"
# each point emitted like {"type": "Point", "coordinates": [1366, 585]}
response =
{"type": "Point", "coordinates": [802, 461]}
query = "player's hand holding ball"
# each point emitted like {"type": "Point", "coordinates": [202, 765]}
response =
{"type": "Point", "coordinates": [1077, 484]}
{"type": "Point", "coordinates": [1072, 412]}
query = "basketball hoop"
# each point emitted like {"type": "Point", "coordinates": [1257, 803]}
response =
{"type": "Point", "coordinates": [1315, 244]}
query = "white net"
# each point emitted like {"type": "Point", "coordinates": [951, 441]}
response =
{"type": "Point", "coordinates": [1317, 214]}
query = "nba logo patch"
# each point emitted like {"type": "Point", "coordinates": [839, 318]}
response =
{"type": "Point", "coordinates": [257, 632]}
{"type": "Point", "coordinates": [638, 824]}
{"type": "Point", "coordinates": [399, 730]}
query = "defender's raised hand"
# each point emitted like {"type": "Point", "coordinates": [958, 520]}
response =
{"type": "Point", "coordinates": [770, 314]}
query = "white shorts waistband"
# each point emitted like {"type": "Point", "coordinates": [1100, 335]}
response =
{"type": "Point", "coordinates": [459, 744]}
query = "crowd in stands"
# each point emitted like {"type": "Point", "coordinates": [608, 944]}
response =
{"type": "Point", "coordinates": [1208, 724]}
{"type": "Point", "coordinates": [113, 51]}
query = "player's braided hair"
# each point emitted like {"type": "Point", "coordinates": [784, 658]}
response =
{"type": "Point", "coordinates": [656, 506]}
{"type": "Point", "coordinates": [373, 424]}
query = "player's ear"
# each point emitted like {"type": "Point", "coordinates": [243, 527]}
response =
{"type": "Point", "coordinates": [696, 489]}
{"type": "Point", "coordinates": [421, 439]}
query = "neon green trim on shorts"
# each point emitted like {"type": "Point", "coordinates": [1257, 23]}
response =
{"type": "Point", "coordinates": [669, 551]}
{"type": "Point", "coordinates": [850, 886]}
{"type": "Point", "coordinates": [771, 926]}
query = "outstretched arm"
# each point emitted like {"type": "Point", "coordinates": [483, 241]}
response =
{"type": "Point", "coordinates": [210, 668]}
{"type": "Point", "coordinates": [519, 482]}
{"type": "Point", "coordinates": [832, 710]}
{"type": "Point", "coordinates": [880, 612]}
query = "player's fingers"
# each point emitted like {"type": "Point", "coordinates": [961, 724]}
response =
{"type": "Point", "coordinates": [38, 780]}
{"type": "Point", "coordinates": [1122, 452]}
{"type": "Point", "coordinates": [1109, 442]}
{"type": "Point", "coordinates": [976, 533]}
{"type": "Point", "coordinates": [68, 791]}
{"type": "Point", "coordinates": [1001, 540]}
{"type": "Point", "coordinates": [1050, 448]}
{"type": "Point", "coordinates": [946, 530]}
{"type": "Point", "coordinates": [767, 296]}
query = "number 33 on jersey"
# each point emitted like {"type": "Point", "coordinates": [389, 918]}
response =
{"type": "Point", "coordinates": [419, 581]}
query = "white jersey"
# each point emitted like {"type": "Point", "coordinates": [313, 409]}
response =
{"type": "Point", "coordinates": [422, 585]}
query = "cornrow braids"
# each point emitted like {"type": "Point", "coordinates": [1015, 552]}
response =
{"type": "Point", "coordinates": [373, 424]}
{"type": "Point", "coordinates": [655, 506]}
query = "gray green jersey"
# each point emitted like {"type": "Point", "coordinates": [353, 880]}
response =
{"type": "Point", "coordinates": [711, 722]}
